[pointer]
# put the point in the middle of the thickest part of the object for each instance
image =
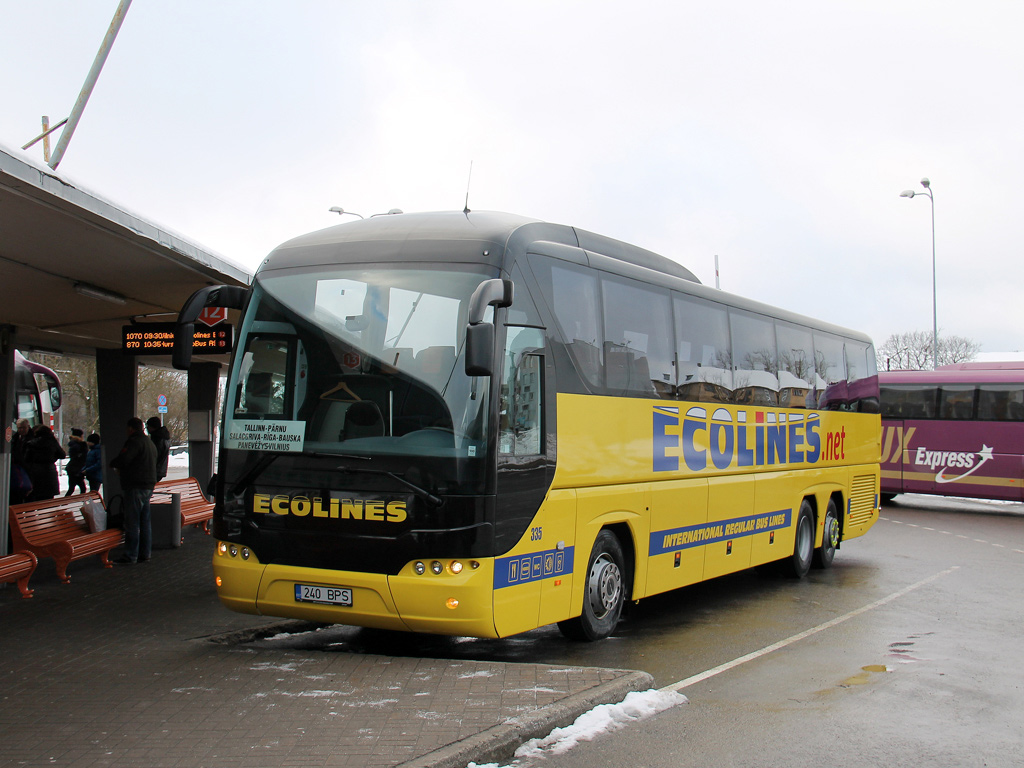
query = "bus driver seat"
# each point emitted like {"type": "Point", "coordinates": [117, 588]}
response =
{"type": "Point", "coordinates": [362, 419]}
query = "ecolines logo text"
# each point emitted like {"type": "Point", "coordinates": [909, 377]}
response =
{"type": "Point", "coordinates": [345, 509]}
{"type": "Point", "coordinates": [722, 439]}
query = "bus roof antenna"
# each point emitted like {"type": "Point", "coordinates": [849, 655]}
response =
{"type": "Point", "coordinates": [470, 179]}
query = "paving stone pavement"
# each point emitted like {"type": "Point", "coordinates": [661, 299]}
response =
{"type": "Point", "coordinates": [141, 665]}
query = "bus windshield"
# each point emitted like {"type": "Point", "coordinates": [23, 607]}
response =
{"type": "Point", "coordinates": [360, 361]}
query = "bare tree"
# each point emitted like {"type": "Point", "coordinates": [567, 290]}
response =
{"type": "Point", "coordinates": [912, 351]}
{"type": "Point", "coordinates": [80, 406]}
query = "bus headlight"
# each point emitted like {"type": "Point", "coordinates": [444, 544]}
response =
{"type": "Point", "coordinates": [419, 568]}
{"type": "Point", "coordinates": [233, 550]}
{"type": "Point", "coordinates": [222, 548]}
{"type": "Point", "coordinates": [436, 567]}
{"type": "Point", "coordinates": [455, 567]}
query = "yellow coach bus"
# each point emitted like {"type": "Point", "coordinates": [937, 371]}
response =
{"type": "Point", "coordinates": [478, 424]}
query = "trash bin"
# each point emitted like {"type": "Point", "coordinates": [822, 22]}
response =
{"type": "Point", "coordinates": [165, 520]}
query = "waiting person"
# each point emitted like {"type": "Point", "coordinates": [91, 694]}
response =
{"type": "Point", "coordinates": [136, 466]}
{"type": "Point", "coordinates": [93, 468]}
{"type": "Point", "coordinates": [42, 452]}
{"type": "Point", "coordinates": [21, 483]}
{"type": "Point", "coordinates": [162, 440]}
{"type": "Point", "coordinates": [75, 469]}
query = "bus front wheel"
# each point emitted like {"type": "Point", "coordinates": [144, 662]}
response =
{"type": "Point", "coordinates": [605, 592]}
{"type": "Point", "coordinates": [799, 563]}
{"type": "Point", "coordinates": [826, 553]}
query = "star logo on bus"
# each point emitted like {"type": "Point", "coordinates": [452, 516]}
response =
{"type": "Point", "coordinates": [985, 454]}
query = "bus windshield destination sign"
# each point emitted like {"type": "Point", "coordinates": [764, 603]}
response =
{"type": "Point", "coordinates": [158, 339]}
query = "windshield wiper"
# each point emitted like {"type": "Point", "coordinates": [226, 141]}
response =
{"type": "Point", "coordinates": [424, 494]}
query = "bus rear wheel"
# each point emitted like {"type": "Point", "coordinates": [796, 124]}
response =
{"type": "Point", "coordinates": [799, 563]}
{"type": "Point", "coordinates": [605, 592]}
{"type": "Point", "coordinates": [826, 553]}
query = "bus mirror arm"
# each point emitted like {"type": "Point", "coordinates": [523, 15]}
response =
{"type": "Point", "coordinates": [497, 292]}
{"type": "Point", "coordinates": [230, 296]}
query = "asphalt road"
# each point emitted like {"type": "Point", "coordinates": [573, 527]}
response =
{"type": "Point", "coordinates": [907, 652]}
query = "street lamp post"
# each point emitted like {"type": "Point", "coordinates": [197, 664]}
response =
{"type": "Point", "coordinates": [935, 312]}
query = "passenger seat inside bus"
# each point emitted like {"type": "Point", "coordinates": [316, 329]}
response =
{"type": "Point", "coordinates": [435, 365]}
{"type": "Point", "coordinates": [362, 419]}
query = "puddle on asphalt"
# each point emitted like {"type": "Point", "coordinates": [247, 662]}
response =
{"type": "Point", "coordinates": [864, 676]}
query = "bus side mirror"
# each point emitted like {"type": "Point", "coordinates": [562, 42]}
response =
{"type": "Point", "coordinates": [479, 349]}
{"type": "Point", "coordinates": [230, 296]}
{"type": "Point", "coordinates": [497, 292]}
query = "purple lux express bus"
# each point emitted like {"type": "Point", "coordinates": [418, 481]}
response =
{"type": "Point", "coordinates": [956, 431]}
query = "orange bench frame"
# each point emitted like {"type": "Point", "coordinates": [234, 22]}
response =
{"type": "Point", "coordinates": [55, 528]}
{"type": "Point", "coordinates": [19, 567]}
{"type": "Point", "coordinates": [196, 509]}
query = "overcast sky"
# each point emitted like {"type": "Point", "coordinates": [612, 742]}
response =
{"type": "Point", "coordinates": [776, 135]}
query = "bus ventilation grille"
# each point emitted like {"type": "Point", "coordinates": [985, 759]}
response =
{"type": "Point", "coordinates": [862, 499]}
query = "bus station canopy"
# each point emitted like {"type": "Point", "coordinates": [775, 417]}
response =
{"type": "Point", "coordinates": [75, 268]}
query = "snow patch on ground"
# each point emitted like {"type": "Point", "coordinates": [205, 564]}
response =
{"type": "Point", "coordinates": [603, 718]}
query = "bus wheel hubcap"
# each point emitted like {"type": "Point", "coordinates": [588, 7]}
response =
{"type": "Point", "coordinates": [832, 534]}
{"type": "Point", "coordinates": [605, 585]}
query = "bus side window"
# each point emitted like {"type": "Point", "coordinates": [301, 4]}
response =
{"type": "Point", "coordinates": [639, 342]}
{"type": "Point", "coordinates": [576, 301]}
{"type": "Point", "coordinates": [956, 402]}
{"type": "Point", "coordinates": [796, 365]}
{"type": "Point", "coordinates": [263, 383]}
{"type": "Point", "coordinates": [1000, 402]}
{"type": "Point", "coordinates": [755, 362]}
{"type": "Point", "coordinates": [703, 351]}
{"type": "Point", "coordinates": [521, 427]}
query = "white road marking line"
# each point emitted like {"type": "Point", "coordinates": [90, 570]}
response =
{"type": "Point", "coordinates": [678, 686]}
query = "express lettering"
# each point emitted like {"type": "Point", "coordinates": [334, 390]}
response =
{"type": "Point", "coordinates": [374, 510]}
{"type": "Point", "coordinates": [721, 439]}
{"type": "Point", "coordinates": [932, 459]}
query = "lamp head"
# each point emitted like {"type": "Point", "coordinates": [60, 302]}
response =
{"type": "Point", "coordinates": [907, 193]}
{"type": "Point", "coordinates": [925, 183]}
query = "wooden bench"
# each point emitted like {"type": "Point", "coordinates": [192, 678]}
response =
{"type": "Point", "coordinates": [55, 528]}
{"type": "Point", "coordinates": [18, 567]}
{"type": "Point", "coordinates": [196, 509]}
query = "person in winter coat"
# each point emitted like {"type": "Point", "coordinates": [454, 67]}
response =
{"type": "Point", "coordinates": [162, 440]}
{"type": "Point", "coordinates": [75, 469]}
{"type": "Point", "coordinates": [136, 467]}
{"type": "Point", "coordinates": [94, 462]}
{"type": "Point", "coordinates": [42, 452]}
{"type": "Point", "coordinates": [21, 483]}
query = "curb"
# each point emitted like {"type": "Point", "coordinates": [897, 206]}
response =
{"type": "Point", "coordinates": [499, 742]}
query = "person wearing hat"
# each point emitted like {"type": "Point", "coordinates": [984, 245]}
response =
{"type": "Point", "coordinates": [162, 440]}
{"type": "Point", "coordinates": [75, 469]}
{"type": "Point", "coordinates": [94, 462]}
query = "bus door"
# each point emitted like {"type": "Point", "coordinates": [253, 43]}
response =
{"type": "Point", "coordinates": [533, 529]}
{"type": "Point", "coordinates": [895, 436]}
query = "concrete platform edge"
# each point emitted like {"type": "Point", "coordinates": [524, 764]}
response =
{"type": "Point", "coordinates": [498, 743]}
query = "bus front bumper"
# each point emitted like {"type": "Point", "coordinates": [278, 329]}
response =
{"type": "Point", "coordinates": [447, 603]}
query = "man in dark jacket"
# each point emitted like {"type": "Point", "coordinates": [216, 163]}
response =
{"type": "Point", "coordinates": [162, 440]}
{"type": "Point", "coordinates": [42, 452]}
{"type": "Point", "coordinates": [136, 467]}
{"type": "Point", "coordinates": [75, 469]}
